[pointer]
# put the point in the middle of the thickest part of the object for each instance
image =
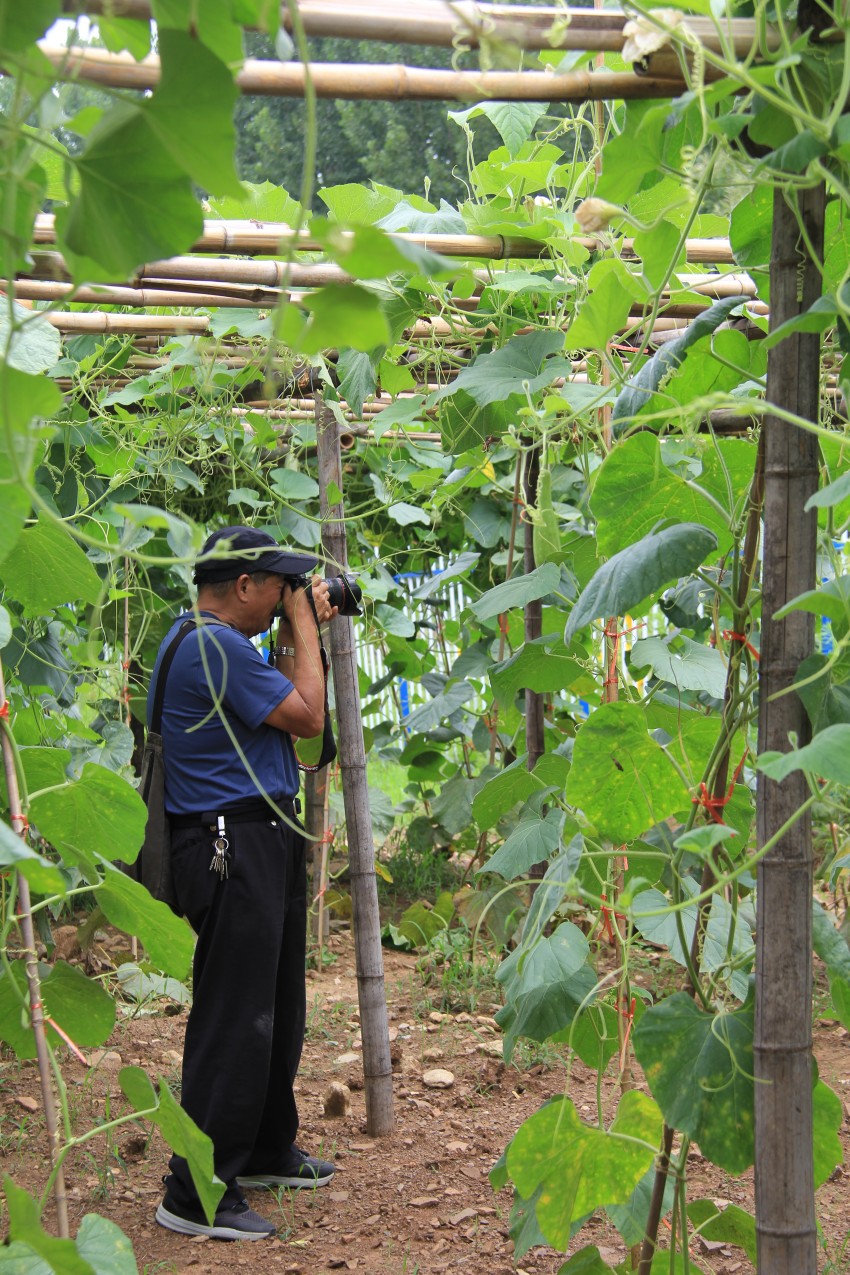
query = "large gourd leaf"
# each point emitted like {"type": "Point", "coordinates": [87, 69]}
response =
{"type": "Point", "coordinates": [81, 1007]}
{"type": "Point", "coordinates": [23, 397]}
{"type": "Point", "coordinates": [543, 665]}
{"type": "Point", "coordinates": [582, 1167]}
{"type": "Point", "coordinates": [517, 591]}
{"type": "Point", "coordinates": [25, 1228]}
{"type": "Point", "coordinates": [100, 813]}
{"type": "Point", "coordinates": [637, 573]}
{"type": "Point", "coordinates": [827, 756]}
{"type": "Point", "coordinates": [44, 877]}
{"type": "Point", "coordinates": [105, 1246]}
{"type": "Point", "coordinates": [532, 841]}
{"type": "Point", "coordinates": [167, 938]}
{"type": "Point", "coordinates": [621, 778]}
{"type": "Point", "coordinates": [48, 568]}
{"type": "Point", "coordinates": [546, 987]}
{"type": "Point", "coordinates": [515, 366]}
{"type": "Point", "coordinates": [699, 1067]}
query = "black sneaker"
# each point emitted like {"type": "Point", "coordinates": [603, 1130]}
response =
{"type": "Point", "coordinates": [301, 1170]}
{"type": "Point", "coordinates": [237, 1223]}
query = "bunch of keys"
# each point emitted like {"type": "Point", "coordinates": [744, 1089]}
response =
{"type": "Point", "coordinates": [220, 845]}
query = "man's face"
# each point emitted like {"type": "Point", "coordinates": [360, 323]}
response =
{"type": "Point", "coordinates": [264, 602]}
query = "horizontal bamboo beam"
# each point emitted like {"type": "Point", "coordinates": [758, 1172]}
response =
{"type": "Point", "coordinates": [355, 82]}
{"type": "Point", "coordinates": [464, 23]}
{"type": "Point", "coordinates": [277, 239]}
{"type": "Point", "coordinates": [143, 298]}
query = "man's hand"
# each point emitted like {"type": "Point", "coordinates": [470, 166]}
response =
{"type": "Point", "coordinates": [321, 600]}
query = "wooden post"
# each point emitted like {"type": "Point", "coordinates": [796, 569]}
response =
{"type": "Point", "coordinates": [377, 1067]}
{"type": "Point", "coordinates": [316, 826]}
{"type": "Point", "coordinates": [534, 745]}
{"type": "Point", "coordinates": [45, 1070]}
{"type": "Point", "coordinates": [784, 1174]}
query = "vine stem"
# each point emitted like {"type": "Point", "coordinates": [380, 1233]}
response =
{"type": "Point", "coordinates": [33, 980]}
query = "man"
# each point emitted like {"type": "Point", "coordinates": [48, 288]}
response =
{"type": "Point", "coordinates": [239, 868]}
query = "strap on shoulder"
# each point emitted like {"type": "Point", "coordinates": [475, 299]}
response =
{"type": "Point", "coordinates": [162, 677]}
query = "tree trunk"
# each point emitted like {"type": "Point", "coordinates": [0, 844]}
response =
{"type": "Point", "coordinates": [784, 1174]}
{"type": "Point", "coordinates": [377, 1068]}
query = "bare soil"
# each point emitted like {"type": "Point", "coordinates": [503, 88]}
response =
{"type": "Point", "coordinates": [416, 1203]}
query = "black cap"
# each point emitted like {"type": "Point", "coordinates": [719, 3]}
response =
{"type": "Point", "coordinates": [248, 550]}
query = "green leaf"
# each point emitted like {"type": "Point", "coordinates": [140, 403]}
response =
{"type": "Point", "coordinates": [829, 944]}
{"type": "Point", "coordinates": [20, 1259]}
{"type": "Point", "coordinates": [532, 841]}
{"type": "Point", "coordinates": [639, 572]}
{"type": "Point", "coordinates": [514, 121]}
{"type": "Point", "coordinates": [517, 591]}
{"type": "Point", "coordinates": [48, 568]}
{"type": "Point", "coordinates": [631, 1218]}
{"type": "Point", "coordinates": [518, 365]}
{"type": "Point", "coordinates": [587, 1261]}
{"type": "Point", "coordinates": [699, 1067]}
{"type": "Point", "coordinates": [430, 714]}
{"type": "Point", "coordinates": [137, 1088]}
{"type": "Point", "coordinates": [405, 514]}
{"type": "Point", "coordinates": [580, 1167]}
{"type": "Point", "coordinates": [343, 315]}
{"type": "Point", "coordinates": [167, 938]}
{"type": "Point", "coordinates": [119, 34]}
{"type": "Point", "coordinates": [357, 380]}
{"type": "Point", "coordinates": [732, 1225]}
{"type": "Point", "coordinates": [830, 495]}
{"type": "Point", "coordinates": [5, 627]}
{"type": "Point", "coordinates": [186, 1139]}
{"type": "Point", "coordinates": [796, 155]}
{"type": "Point", "coordinates": [827, 697]}
{"type": "Point", "coordinates": [293, 484]}
{"type": "Point", "coordinates": [420, 923]}
{"type": "Point", "coordinates": [620, 777]}
{"type": "Point", "coordinates": [545, 989]}
{"type": "Point", "coordinates": [604, 312]}
{"type": "Point", "coordinates": [832, 600]}
{"type": "Point", "coordinates": [257, 201]}
{"type": "Point", "coordinates": [23, 24]}
{"type": "Point", "coordinates": [135, 201]}
{"type": "Point", "coordinates": [359, 205]}
{"type": "Point", "coordinates": [828, 1117]}
{"type": "Point", "coordinates": [542, 665]}
{"type": "Point", "coordinates": [25, 1226]}
{"type": "Point", "coordinates": [827, 757]}
{"type": "Point", "coordinates": [650, 377]}
{"type": "Point", "coordinates": [658, 248]}
{"type": "Point", "coordinates": [501, 793]}
{"type": "Point", "coordinates": [43, 876]}
{"type": "Point", "coordinates": [689, 667]}
{"type": "Point", "coordinates": [23, 398]}
{"type": "Point", "coordinates": [34, 346]}
{"type": "Point", "coordinates": [105, 1246]}
{"type": "Point", "coordinates": [751, 227]}
{"type": "Point", "coordinates": [101, 813]}
{"type": "Point", "coordinates": [633, 489]}
{"type": "Point", "coordinates": [81, 1007]}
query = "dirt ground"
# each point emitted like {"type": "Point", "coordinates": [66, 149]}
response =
{"type": "Point", "coordinates": [416, 1203]}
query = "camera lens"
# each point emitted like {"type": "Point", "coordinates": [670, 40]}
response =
{"type": "Point", "coordinates": [345, 593]}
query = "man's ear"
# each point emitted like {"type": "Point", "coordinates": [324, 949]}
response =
{"type": "Point", "coordinates": [242, 583]}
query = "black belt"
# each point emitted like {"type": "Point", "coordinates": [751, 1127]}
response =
{"type": "Point", "coordinates": [244, 812]}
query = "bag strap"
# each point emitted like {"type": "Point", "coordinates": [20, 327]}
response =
{"type": "Point", "coordinates": [162, 677]}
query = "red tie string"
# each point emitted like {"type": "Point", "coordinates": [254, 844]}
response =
{"type": "Point", "coordinates": [715, 804]}
{"type": "Point", "coordinates": [24, 823]}
{"type": "Point", "coordinates": [729, 635]}
{"type": "Point", "coordinates": [4, 709]}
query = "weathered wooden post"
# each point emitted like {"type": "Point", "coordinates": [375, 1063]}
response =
{"type": "Point", "coordinates": [784, 1174]}
{"type": "Point", "coordinates": [316, 827]}
{"type": "Point", "coordinates": [377, 1067]}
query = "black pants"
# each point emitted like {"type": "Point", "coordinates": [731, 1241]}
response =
{"type": "Point", "coordinates": [246, 1026]}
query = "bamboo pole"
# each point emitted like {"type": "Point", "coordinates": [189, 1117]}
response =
{"type": "Point", "coordinates": [143, 298]}
{"type": "Point", "coordinates": [377, 1067]}
{"type": "Point", "coordinates": [37, 1017]}
{"type": "Point", "coordinates": [247, 237]}
{"type": "Point", "coordinates": [316, 828]}
{"type": "Point", "coordinates": [462, 23]}
{"type": "Point", "coordinates": [361, 82]}
{"type": "Point", "coordinates": [786, 1227]}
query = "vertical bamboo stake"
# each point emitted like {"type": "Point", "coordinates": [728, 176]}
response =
{"type": "Point", "coordinates": [534, 745]}
{"type": "Point", "coordinates": [377, 1068]}
{"type": "Point", "coordinates": [33, 981]}
{"type": "Point", "coordinates": [784, 1174]}
{"type": "Point", "coordinates": [316, 827]}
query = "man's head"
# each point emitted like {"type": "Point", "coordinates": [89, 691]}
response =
{"type": "Point", "coordinates": [240, 573]}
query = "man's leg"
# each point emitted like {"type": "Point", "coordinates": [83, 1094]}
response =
{"type": "Point", "coordinates": [227, 1060]}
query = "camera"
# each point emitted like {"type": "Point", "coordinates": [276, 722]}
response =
{"type": "Point", "coordinates": [344, 592]}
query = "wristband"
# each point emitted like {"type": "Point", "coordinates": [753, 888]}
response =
{"type": "Point", "coordinates": [283, 650]}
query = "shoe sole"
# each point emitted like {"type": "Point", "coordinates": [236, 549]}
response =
{"type": "Point", "coordinates": [183, 1226]}
{"type": "Point", "coordinates": [292, 1184]}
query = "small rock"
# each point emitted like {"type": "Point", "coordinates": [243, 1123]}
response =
{"type": "Point", "coordinates": [432, 1055]}
{"type": "Point", "coordinates": [28, 1104]}
{"type": "Point", "coordinates": [424, 1202]}
{"type": "Point", "coordinates": [491, 1048]}
{"type": "Point", "coordinates": [337, 1100]}
{"type": "Point", "coordinates": [174, 1056]}
{"type": "Point", "coordinates": [438, 1078]}
{"type": "Point", "coordinates": [109, 1059]}
{"type": "Point", "coordinates": [361, 1146]}
{"type": "Point", "coordinates": [465, 1215]}
{"type": "Point", "coordinates": [457, 1148]}
{"type": "Point", "coordinates": [345, 1060]}
{"type": "Point", "coordinates": [435, 1016]}
{"type": "Point", "coordinates": [464, 1018]}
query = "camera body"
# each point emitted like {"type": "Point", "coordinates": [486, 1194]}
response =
{"type": "Point", "coordinates": [344, 592]}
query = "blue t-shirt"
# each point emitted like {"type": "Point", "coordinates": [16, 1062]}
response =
{"type": "Point", "coordinates": [217, 756]}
